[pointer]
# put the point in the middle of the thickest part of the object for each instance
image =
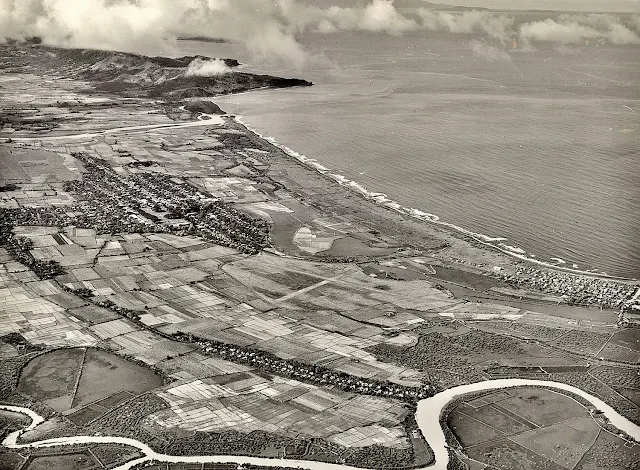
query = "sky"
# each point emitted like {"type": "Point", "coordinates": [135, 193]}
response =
{"type": "Point", "coordinates": [269, 29]}
{"type": "Point", "coordinates": [632, 6]}
{"type": "Point", "coordinates": [556, 5]}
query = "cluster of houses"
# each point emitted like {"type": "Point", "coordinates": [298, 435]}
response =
{"type": "Point", "coordinates": [307, 372]}
{"type": "Point", "coordinates": [576, 289]}
{"type": "Point", "coordinates": [145, 203]}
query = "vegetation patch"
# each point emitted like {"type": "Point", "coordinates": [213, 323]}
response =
{"type": "Point", "coordinates": [52, 377]}
{"type": "Point", "coordinates": [76, 461]}
{"type": "Point", "coordinates": [72, 378]}
{"type": "Point", "coordinates": [522, 427]}
{"type": "Point", "coordinates": [105, 374]}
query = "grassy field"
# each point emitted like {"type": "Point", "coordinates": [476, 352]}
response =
{"type": "Point", "coordinates": [79, 461]}
{"type": "Point", "coordinates": [52, 377]}
{"type": "Point", "coordinates": [609, 452]}
{"type": "Point", "coordinates": [10, 461]}
{"type": "Point", "coordinates": [524, 428]}
{"type": "Point", "coordinates": [67, 379]}
{"type": "Point", "coordinates": [565, 443]}
{"type": "Point", "coordinates": [507, 455]}
{"type": "Point", "coordinates": [105, 374]}
{"type": "Point", "coordinates": [26, 166]}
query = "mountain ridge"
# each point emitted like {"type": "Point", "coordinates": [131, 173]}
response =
{"type": "Point", "coordinates": [136, 75]}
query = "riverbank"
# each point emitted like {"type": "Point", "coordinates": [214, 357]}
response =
{"type": "Point", "coordinates": [427, 416]}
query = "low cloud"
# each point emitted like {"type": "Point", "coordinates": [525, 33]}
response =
{"type": "Point", "coordinates": [377, 16]}
{"type": "Point", "coordinates": [578, 29]}
{"type": "Point", "coordinates": [620, 34]}
{"type": "Point", "coordinates": [496, 26]}
{"type": "Point", "coordinates": [566, 29]}
{"type": "Point", "coordinates": [559, 32]}
{"type": "Point", "coordinates": [207, 68]}
{"type": "Point", "coordinates": [269, 29]}
{"type": "Point", "coordinates": [151, 26]}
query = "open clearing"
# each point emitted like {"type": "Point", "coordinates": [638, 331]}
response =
{"type": "Point", "coordinates": [69, 379]}
{"type": "Point", "coordinates": [524, 428]}
{"type": "Point", "coordinates": [105, 374]}
{"type": "Point", "coordinates": [52, 377]}
{"type": "Point", "coordinates": [79, 461]}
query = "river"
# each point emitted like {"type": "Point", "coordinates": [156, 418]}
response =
{"type": "Point", "coordinates": [427, 417]}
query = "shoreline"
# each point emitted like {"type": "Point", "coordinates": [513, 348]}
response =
{"type": "Point", "coordinates": [382, 200]}
{"type": "Point", "coordinates": [428, 413]}
{"type": "Point", "coordinates": [347, 195]}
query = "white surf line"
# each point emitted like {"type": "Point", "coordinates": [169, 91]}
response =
{"type": "Point", "coordinates": [427, 417]}
{"type": "Point", "coordinates": [382, 200]}
{"type": "Point", "coordinates": [214, 119]}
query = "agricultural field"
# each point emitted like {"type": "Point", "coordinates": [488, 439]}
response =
{"type": "Point", "coordinates": [624, 346]}
{"type": "Point", "coordinates": [528, 428]}
{"type": "Point", "coordinates": [52, 378]}
{"type": "Point", "coordinates": [230, 254]}
{"type": "Point", "coordinates": [38, 167]}
{"type": "Point", "coordinates": [75, 461]}
{"type": "Point", "coordinates": [84, 383]}
{"type": "Point", "coordinates": [246, 402]}
{"type": "Point", "coordinates": [95, 457]}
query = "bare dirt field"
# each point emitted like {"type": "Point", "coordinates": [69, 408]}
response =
{"type": "Point", "coordinates": [105, 374]}
{"type": "Point", "coordinates": [524, 428]}
{"type": "Point", "coordinates": [67, 379]}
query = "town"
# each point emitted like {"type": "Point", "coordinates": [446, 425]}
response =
{"type": "Point", "coordinates": [577, 289]}
{"type": "Point", "coordinates": [143, 203]}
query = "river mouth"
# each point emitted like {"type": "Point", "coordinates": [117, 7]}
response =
{"type": "Point", "coordinates": [428, 416]}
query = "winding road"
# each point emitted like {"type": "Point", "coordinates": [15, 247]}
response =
{"type": "Point", "coordinates": [427, 417]}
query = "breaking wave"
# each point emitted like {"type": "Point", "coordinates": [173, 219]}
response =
{"type": "Point", "coordinates": [495, 242]}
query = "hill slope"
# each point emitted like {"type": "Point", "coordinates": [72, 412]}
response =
{"type": "Point", "coordinates": [134, 75]}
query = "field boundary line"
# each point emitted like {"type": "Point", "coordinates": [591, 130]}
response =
{"type": "Point", "coordinates": [486, 424]}
{"type": "Point", "coordinates": [75, 387]}
{"type": "Point", "coordinates": [537, 453]}
{"type": "Point", "coordinates": [95, 457]}
{"type": "Point", "coordinates": [514, 416]}
{"type": "Point", "coordinates": [549, 344]}
{"type": "Point", "coordinates": [304, 290]}
{"type": "Point", "coordinates": [611, 335]}
{"type": "Point", "coordinates": [588, 448]}
{"type": "Point", "coordinates": [625, 399]}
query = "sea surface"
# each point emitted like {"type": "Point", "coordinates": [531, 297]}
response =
{"type": "Point", "coordinates": [540, 147]}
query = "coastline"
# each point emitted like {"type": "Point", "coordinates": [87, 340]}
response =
{"type": "Point", "coordinates": [382, 200]}
{"type": "Point", "coordinates": [383, 209]}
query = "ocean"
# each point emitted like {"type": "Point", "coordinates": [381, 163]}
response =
{"type": "Point", "coordinates": [540, 149]}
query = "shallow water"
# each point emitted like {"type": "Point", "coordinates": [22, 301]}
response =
{"type": "Point", "coordinates": [542, 149]}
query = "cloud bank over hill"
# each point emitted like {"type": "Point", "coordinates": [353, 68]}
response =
{"type": "Point", "coordinates": [207, 68]}
{"type": "Point", "coordinates": [269, 29]}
